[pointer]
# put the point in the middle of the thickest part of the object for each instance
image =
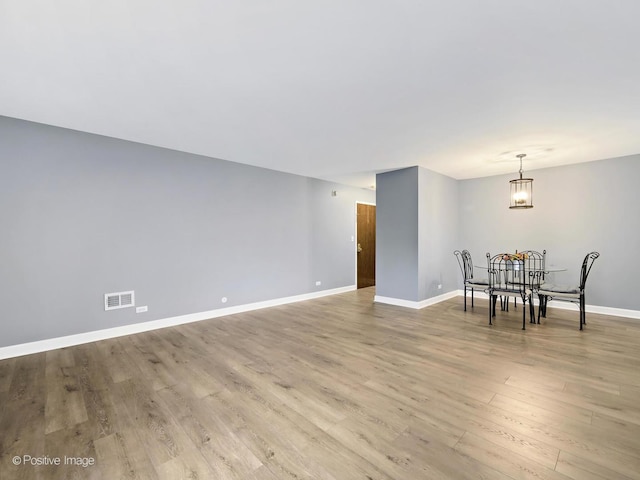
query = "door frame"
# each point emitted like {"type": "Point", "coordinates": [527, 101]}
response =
{"type": "Point", "coordinates": [355, 238]}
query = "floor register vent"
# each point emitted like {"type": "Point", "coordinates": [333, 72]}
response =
{"type": "Point", "coordinates": [112, 301]}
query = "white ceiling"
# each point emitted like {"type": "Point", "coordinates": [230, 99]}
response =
{"type": "Point", "coordinates": [335, 89]}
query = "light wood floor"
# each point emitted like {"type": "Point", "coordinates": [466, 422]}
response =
{"type": "Point", "coordinates": [335, 388]}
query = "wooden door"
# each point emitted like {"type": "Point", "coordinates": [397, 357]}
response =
{"type": "Point", "coordinates": [366, 245]}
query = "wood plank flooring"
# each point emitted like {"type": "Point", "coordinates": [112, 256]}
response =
{"type": "Point", "coordinates": [336, 388]}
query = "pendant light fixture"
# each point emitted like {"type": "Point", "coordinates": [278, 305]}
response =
{"type": "Point", "coordinates": [521, 189]}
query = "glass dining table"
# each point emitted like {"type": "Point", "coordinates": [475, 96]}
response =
{"type": "Point", "coordinates": [515, 275]}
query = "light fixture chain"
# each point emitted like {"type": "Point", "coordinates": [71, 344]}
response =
{"type": "Point", "coordinates": [520, 156]}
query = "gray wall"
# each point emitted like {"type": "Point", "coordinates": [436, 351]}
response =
{"type": "Point", "coordinates": [416, 226]}
{"type": "Point", "coordinates": [438, 214]}
{"type": "Point", "coordinates": [577, 209]}
{"type": "Point", "coordinates": [85, 215]}
{"type": "Point", "coordinates": [397, 234]}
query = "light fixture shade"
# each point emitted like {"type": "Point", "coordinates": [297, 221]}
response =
{"type": "Point", "coordinates": [521, 193]}
{"type": "Point", "coordinates": [521, 189]}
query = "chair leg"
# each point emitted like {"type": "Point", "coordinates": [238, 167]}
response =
{"type": "Point", "coordinates": [465, 298]}
{"type": "Point", "coordinates": [472, 298]}
{"type": "Point", "coordinates": [491, 307]}
{"type": "Point", "coordinates": [504, 303]}
{"type": "Point", "coordinates": [542, 306]}
{"type": "Point", "coordinates": [584, 310]}
{"type": "Point", "coordinates": [532, 311]}
{"type": "Point", "coordinates": [524, 312]}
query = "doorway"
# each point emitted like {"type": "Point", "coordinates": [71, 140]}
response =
{"type": "Point", "coordinates": [365, 245]}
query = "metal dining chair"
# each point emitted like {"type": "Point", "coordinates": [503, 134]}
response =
{"type": "Point", "coordinates": [470, 282]}
{"type": "Point", "coordinates": [574, 294]}
{"type": "Point", "coordinates": [534, 264]}
{"type": "Point", "coordinates": [507, 277]}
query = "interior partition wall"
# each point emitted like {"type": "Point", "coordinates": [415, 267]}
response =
{"type": "Point", "coordinates": [417, 225]}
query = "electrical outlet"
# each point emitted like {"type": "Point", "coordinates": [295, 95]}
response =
{"type": "Point", "coordinates": [223, 299]}
{"type": "Point", "coordinates": [142, 309]}
{"type": "Point", "coordinates": [318, 283]}
{"type": "Point", "coordinates": [439, 286]}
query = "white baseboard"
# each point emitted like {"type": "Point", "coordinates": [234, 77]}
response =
{"type": "Point", "coordinates": [616, 312]}
{"type": "Point", "coordinates": [88, 337]}
{"type": "Point", "coordinates": [94, 336]}
{"type": "Point", "coordinates": [412, 304]}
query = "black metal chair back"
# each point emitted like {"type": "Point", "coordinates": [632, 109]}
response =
{"type": "Point", "coordinates": [462, 262]}
{"type": "Point", "coordinates": [587, 263]}
{"type": "Point", "coordinates": [466, 268]}
{"type": "Point", "coordinates": [534, 265]}
{"type": "Point", "coordinates": [507, 276]}
{"type": "Point", "coordinates": [466, 264]}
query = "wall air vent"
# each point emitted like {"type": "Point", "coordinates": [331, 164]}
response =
{"type": "Point", "coordinates": [112, 301]}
